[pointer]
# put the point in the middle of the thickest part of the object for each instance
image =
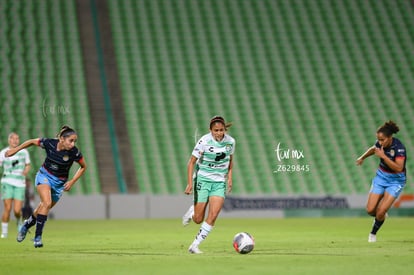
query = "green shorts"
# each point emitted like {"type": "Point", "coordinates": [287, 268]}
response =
{"type": "Point", "coordinates": [206, 189]}
{"type": "Point", "coordinates": [12, 192]}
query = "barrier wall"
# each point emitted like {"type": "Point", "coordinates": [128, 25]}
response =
{"type": "Point", "coordinates": [118, 206]}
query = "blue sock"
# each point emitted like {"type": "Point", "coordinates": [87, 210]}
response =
{"type": "Point", "coordinates": [40, 223]}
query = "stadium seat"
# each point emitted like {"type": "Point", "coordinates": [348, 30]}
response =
{"type": "Point", "coordinates": [318, 76]}
{"type": "Point", "coordinates": [44, 87]}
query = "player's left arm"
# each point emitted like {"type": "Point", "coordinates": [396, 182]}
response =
{"type": "Point", "coordinates": [396, 165]}
{"type": "Point", "coordinates": [68, 185]}
{"type": "Point", "coordinates": [230, 175]}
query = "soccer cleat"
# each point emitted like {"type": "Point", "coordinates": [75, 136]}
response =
{"type": "Point", "coordinates": [21, 235]}
{"type": "Point", "coordinates": [4, 235]}
{"type": "Point", "coordinates": [38, 242]}
{"type": "Point", "coordinates": [188, 215]}
{"type": "Point", "coordinates": [372, 238]}
{"type": "Point", "coordinates": [193, 249]}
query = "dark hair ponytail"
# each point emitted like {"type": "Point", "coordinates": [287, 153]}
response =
{"type": "Point", "coordinates": [388, 128]}
{"type": "Point", "coordinates": [65, 131]}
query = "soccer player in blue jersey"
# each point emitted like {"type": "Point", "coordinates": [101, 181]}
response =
{"type": "Point", "coordinates": [390, 178]}
{"type": "Point", "coordinates": [212, 162]}
{"type": "Point", "coordinates": [52, 178]}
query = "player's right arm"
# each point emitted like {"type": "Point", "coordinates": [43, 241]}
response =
{"type": "Point", "coordinates": [368, 153]}
{"type": "Point", "coordinates": [27, 143]}
{"type": "Point", "coordinates": [190, 170]}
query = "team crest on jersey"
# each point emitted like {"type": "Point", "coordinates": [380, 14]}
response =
{"type": "Point", "coordinates": [229, 147]}
{"type": "Point", "coordinates": [392, 152]}
{"type": "Point", "coordinates": [65, 158]}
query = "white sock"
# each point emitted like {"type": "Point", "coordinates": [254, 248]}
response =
{"type": "Point", "coordinates": [202, 234]}
{"type": "Point", "coordinates": [4, 227]}
{"type": "Point", "coordinates": [192, 211]}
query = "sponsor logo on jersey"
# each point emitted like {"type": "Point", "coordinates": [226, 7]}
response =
{"type": "Point", "coordinates": [229, 147]}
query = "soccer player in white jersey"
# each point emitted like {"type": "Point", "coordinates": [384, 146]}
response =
{"type": "Point", "coordinates": [210, 167]}
{"type": "Point", "coordinates": [13, 183]}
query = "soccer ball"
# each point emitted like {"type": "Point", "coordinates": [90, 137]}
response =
{"type": "Point", "coordinates": [243, 242]}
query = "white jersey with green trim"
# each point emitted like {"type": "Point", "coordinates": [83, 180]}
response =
{"type": "Point", "coordinates": [213, 157]}
{"type": "Point", "coordinates": [13, 167]}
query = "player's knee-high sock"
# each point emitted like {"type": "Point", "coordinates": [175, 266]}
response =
{"type": "Point", "coordinates": [30, 221]}
{"type": "Point", "coordinates": [40, 223]}
{"type": "Point", "coordinates": [4, 228]}
{"type": "Point", "coordinates": [376, 226]}
{"type": "Point", "coordinates": [203, 233]}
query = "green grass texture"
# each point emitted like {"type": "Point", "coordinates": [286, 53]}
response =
{"type": "Point", "coordinates": [159, 246]}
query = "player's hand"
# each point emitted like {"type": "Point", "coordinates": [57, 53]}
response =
{"type": "Point", "coordinates": [188, 189]}
{"type": "Point", "coordinates": [379, 152]}
{"type": "Point", "coordinates": [68, 185]}
{"type": "Point", "coordinates": [359, 161]}
{"type": "Point", "coordinates": [229, 186]}
{"type": "Point", "coordinates": [9, 153]}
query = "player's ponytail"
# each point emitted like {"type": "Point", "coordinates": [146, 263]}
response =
{"type": "Point", "coordinates": [220, 119]}
{"type": "Point", "coordinates": [66, 131]}
{"type": "Point", "coordinates": [388, 128]}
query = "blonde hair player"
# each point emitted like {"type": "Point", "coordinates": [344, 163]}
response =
{"type": "Point", "coordinates": [209, 168]}
{"type": "Point", "coordinates": [390, 178]}
{"type": "Point", "coordinates": [52, 178]}
{"type": "Point", "coordinates": [13, 183]}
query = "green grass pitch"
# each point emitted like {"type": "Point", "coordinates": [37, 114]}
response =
{"type": "Point", "coordinates": [283, 246]}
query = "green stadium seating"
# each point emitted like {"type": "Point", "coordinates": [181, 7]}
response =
{"type": "Point", "coordinates": [319, 76]}
{"type": "Point", "coordinates": [42, 84]}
